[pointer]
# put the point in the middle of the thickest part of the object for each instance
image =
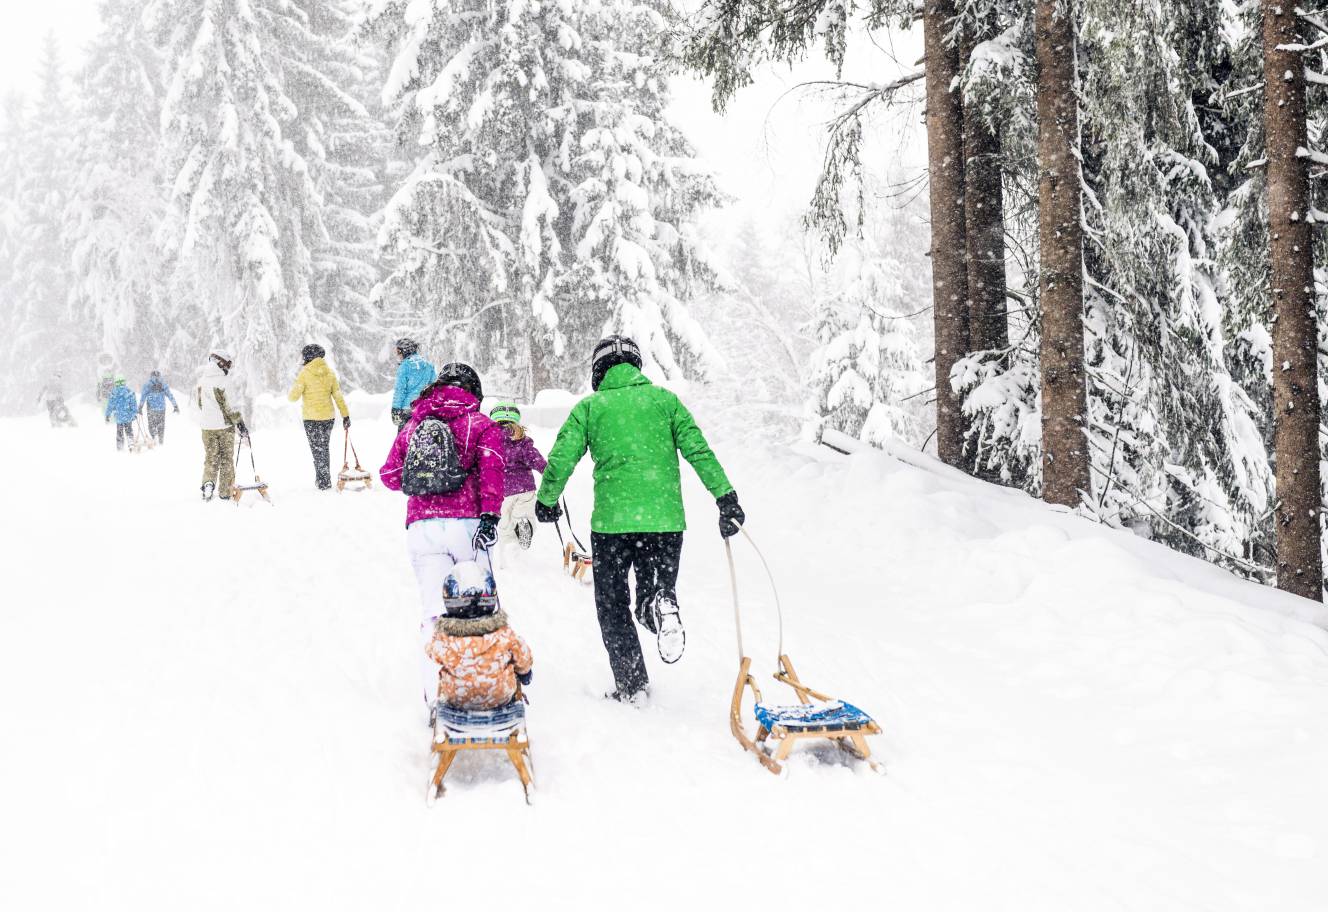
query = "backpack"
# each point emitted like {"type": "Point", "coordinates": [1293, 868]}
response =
{"type": "Point", "coordinates": [432, 464]}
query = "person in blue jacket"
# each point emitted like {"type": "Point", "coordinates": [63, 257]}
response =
{"type": "Point", "coordinates": [413, 375]}
{"type": "Point", "coordinates": [154, 396]}
{"type": "Point", "coordinates": [123, 405]}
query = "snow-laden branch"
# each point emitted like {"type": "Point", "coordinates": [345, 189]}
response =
{"type": "Point", "coordinates": [1317, 157]}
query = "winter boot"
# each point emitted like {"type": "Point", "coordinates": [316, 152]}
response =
{"type": "Point", "coordinates": [525, 533]}
{"type": "Point", "coordinates": [636, 698]}
{"type": "Point", "coordinates": [208, 489]}
{"type": "Point", "coordinates": [670, 638]}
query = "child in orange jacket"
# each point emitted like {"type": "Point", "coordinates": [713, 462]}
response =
{"type": "Point", "coordinates": [481, 658]}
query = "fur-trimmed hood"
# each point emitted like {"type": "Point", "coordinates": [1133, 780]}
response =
{"type": "Point", "coordinates": [471, 627]}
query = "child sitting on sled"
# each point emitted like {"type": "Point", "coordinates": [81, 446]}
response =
{"type": "Point", "coordinates": [481, 658]}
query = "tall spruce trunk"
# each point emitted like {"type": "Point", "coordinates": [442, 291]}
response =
{"type": "Point", "coordinates": [984, 216]}
{"type": "Point", "coordinates": [1290, 260]}
{"type": "Point", "coordinates": [949, 275]}
{"type": "Point", "coordinates": [1065, 465]}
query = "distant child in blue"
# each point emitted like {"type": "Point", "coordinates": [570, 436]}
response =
{"type": "Point", "coordinates": [413, 375]}
{"type": "Point", "coordinates": [123, 405]}
{"type": "Point", "coordinates": [154, 395]}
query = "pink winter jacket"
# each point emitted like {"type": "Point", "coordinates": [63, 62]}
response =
{"type": "Point", "coordinates": [480, 445]}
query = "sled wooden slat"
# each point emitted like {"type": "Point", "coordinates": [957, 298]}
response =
{"type": "Point", "coordinates": [508, 736]}
{"type": "Point", "coordinates": [848, 735]}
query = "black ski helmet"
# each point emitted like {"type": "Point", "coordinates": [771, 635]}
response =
{"type": "Point", "coordinates": [462, 376]}
{"type": "Point", "coordinates": [610, 352]}
{"type": "Point", "coordinates": [407, 347]}
{"type": "Point", "coordinates": [311, 351]}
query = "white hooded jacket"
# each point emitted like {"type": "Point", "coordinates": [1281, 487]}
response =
{"type": "Point", "coordinates": [215, 399]}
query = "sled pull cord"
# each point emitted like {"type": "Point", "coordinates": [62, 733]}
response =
{"type": "Point", "coordinates": [351, 447]}
{"type": "Point", "coordinates": [567, 514]}
{"type": "Point", "coordinates": [733, 584]}
{"type": "Point", "coordinates": [779, 610]}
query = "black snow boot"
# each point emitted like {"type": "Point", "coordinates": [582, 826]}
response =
{"type": "Point", "coordinates": [208, 489]}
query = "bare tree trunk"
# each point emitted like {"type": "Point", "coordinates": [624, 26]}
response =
{"type": "Point", "coordinates": [1295, 368]}
{"type": "Point", "coordinates": [1065, 466]}
{"type": "Point", "coordinates": [949, 276]}
{"type": "Point", "coordinates": [984, 216]}
{"type": "Point", "coordinates": [539, 375]}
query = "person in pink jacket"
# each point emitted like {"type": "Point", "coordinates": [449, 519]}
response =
{"type": "Point", "coordinates": [443, 530]}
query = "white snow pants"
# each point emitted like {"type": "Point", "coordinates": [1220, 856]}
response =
{"type": "Point", "coordinates": [515, 508]}
{"type": "Point", "coordinates": [435, 547]}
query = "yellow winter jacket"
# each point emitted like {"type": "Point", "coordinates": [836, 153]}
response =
{"type": "Point", "coordinates": [319, 387]}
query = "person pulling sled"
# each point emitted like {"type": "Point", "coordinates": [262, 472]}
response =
{"type": "Point", "coordinates": [634, 431]}
{"type": "Point", "coordinates": [153, 401]}
{"type": "Point", "coordinates": [215, 398]}
{"type": "Point", "coordinates": [123, 406]}
{"type": "Point", "coordinates": [318, 387]}
{"type": "Point", "coordinates": [448, 459]}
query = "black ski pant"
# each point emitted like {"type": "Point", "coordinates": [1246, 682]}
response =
{"type": "Point", "coordinates": [157, 424]}
{"type": "Point", "coordinates": [123, 433]}
{"type": "Point", "coordinates": [655, 557]}
{"type": "Point", "coordinates": [320, 435]}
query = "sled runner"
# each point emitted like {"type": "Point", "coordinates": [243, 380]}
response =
{"type": "Point", "coordinates": [458, 730]}
{"type": "Point", "coordinates": [142, 441]}
{"type": "Point", "coordinates": [577, 559]}
{"type": "Point", "coordinates": [347, 475]}
{"type": "Point", "coordinates": [815, 717]}
{"type": "Point", "coordinates": [237, 490]}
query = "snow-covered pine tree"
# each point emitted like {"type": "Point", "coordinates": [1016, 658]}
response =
{"type": "Point", "coordinates": [552, 201]}
{"type": "Point", "coordinates": [866, 374]}
{"type": "Point", "coordinates": [42, 334]}
{"type": "Point", "coordinates": [118, 215]}
{"type": "Point", "coordinates": [347, 141]}
{"type": "Point", "coordinates": [253, 96]}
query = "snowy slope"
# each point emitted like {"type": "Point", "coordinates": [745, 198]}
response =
{"type": "Point", "coordinates": [215, 708]}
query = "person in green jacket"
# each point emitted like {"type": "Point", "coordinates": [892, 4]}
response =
{"type": "Point", "coordinates": [634, 431]}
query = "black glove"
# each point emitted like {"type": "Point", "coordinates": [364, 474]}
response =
{"type": "Point", "coordinates": [547, 514]}
{"type": "Point", "coordinates": [345, 422]}
{"type": "Point", "coordinates": [177, 409]}
{"type": "Point", "coordinates": [400, 417]}
{"type": "Point", "coordinates": [244, 431]}
{"type": "Point", "coordinates": [526, 678]}
{"type": "Point", "coordinates": [731, 516]}
{"type": "Point", "coordinates": [108, 419]}
{"type": "Point", "coordinates": [486, 536]}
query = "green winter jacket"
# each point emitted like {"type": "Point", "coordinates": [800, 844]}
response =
{"type": "Point", "coordinates": [634, 431]}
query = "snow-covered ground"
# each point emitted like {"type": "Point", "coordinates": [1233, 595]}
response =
{"type": "Point", "coordinates": [207, 707]}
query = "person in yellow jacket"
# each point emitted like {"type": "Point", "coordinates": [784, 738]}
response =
{"type": "Point", "coordinates": [319, 388]}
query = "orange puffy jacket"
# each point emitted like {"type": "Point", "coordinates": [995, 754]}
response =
{"type": "Point", "coordinates": [479, 672]}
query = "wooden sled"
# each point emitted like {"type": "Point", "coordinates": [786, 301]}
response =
{"type": "Point", "coordinates": [459, 730]}
{"type": "Point", "coordinates": [576, 563]}
{"type": "Point", "coordinates": [355, 476]}
{"type": "Point", "coordinates": [816, 717]}
{"type": "Point", "coordinates": [237, 491]}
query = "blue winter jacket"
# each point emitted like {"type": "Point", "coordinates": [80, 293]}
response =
{"type": "Point", "coordinates": [154, 396]}
{"type": "Point", "coordinates": [122, 404]}
{"type": "Point", "coordinates": [413, 375]}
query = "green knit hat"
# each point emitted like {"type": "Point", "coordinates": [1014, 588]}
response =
{"type": "Point", "coordinates": [506, 411]}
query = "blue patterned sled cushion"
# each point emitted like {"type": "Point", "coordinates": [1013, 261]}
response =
{"type": "Point", "coordinates": [836, 716]}
{"type": "Point", "coordinates": [472, 719]}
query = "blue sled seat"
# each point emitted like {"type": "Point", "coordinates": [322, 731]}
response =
{"type": "Point", "coordinates": [836, 716]}
{"type": "Point", "coordinates": [480, 723]}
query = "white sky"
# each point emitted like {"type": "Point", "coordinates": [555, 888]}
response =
{"type": "Point", "coordinates": [766, 151]}
{"type": "Point", "coordinates": [26, 23]}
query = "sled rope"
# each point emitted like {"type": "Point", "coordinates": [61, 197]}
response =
{"type": "Point", "coordinates": [733, 582]}
{"type": "Point", "coordinates": [344, 462]}
{"type": "Point", "coordinates": [570, 531]}
{"type": "Point", "coordinates": [239, 446]}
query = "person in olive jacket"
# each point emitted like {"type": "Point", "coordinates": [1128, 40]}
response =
{"type": "Point", "coordinates": [318, 387]}
{"type": "Point", "coordinates": [634, 431]}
